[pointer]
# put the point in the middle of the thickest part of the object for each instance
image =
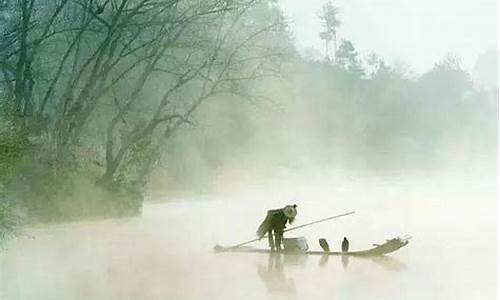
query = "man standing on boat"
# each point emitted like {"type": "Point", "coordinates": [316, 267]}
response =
{"type": "Point", "coordinates": [275, 222]}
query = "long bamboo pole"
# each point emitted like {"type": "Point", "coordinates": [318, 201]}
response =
{"type": "Point", "coordinates": [218, 247]}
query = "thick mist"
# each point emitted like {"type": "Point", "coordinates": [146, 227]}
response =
{"type": "Point", "coordinates": [137, 135]}
{"type": "Point", "coordinates": [321, 118]}
{"type": "Point", "coordinates": [403, 32]}
{"type": "Point", "coordinates": [167, 251]}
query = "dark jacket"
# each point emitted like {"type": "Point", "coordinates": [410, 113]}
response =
{"type": "Point", "coordinates": [275, 220]}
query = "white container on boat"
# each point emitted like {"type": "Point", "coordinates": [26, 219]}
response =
{"type": "Point", "coordinates": [298, 244]}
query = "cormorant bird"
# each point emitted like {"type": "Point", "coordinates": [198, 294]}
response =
{"type": "Point", "coordinates": [324, 245]}
{"type": "Point", "coordinates": [345, 245]}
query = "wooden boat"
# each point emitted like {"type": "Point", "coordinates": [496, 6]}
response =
{"type": "Point", "coordinates": [388, 247]}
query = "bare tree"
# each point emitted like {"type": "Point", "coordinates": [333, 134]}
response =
{"type": "Point", "coordinates": [137, 70]}
{"type": "Point", "coordinates": [218, 65]}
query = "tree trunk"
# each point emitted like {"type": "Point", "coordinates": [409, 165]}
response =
{"type": "Point", "coordinates": [20, 84]}
{"type": "Point", "coordinates": [335, 47]}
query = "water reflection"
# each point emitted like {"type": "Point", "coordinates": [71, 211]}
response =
{"type": "Point", "coordinates": [345, 261]}
{"type": "Point", "coordinates": [277, 281]}
{"type": "Point", "coordinates": [323, 262]}
{"type": "Point", "coordinates": [295, 260]}
{"type": "Point", "coordinates": [274, 275]}
{"type": "Point", "coordinates": [389, 263]}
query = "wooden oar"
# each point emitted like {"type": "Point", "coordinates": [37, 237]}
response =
{"type": "Point", "coordinates": [220, 248]}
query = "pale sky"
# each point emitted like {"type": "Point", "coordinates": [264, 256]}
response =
{"type": "Point", "coordinates": [418, 32]}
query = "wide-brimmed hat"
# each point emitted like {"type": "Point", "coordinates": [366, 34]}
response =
{"type": "Point", "coordinates": [290, 211]}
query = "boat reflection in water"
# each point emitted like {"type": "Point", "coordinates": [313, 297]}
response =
{"type": "Point", "coordinates": [389, 263]}
{"type": "Point", "coordinates": [275, 277]}
{"type": "Point", "coordinates": [323, 262]}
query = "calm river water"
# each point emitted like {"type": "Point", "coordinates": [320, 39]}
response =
{"type": "Point", "coordinates": [167, 252]}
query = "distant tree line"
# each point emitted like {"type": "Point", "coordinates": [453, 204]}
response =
{"type": "Point", "coordinates": [347, 110]}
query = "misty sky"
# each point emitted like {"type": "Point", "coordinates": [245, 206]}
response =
{"type": "Point", "coordinates": [416, 32]}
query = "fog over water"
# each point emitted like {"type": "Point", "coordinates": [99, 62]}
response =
{"type": "Point", "coordinates": [132, 146]}
{"type": "Point", "coordinates": [167, 252]}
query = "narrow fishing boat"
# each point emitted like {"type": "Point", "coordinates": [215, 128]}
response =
{"type": "Point", "coordinates": [378, 250]}
{"type": "Point", "coordinates": [298, 246]}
